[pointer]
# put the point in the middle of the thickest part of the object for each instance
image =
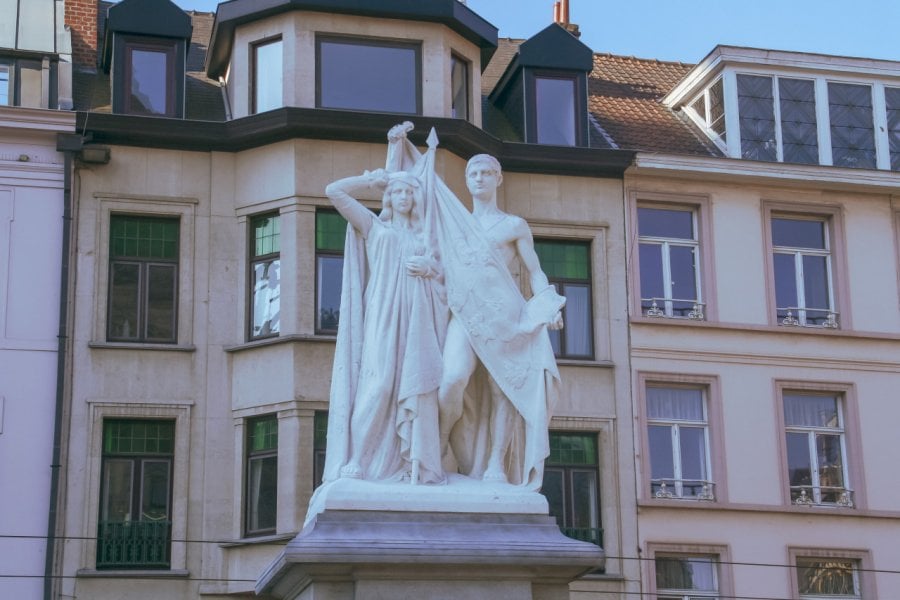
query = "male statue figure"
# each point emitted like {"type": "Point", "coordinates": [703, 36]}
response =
{"type": "Point", "coordinates": [512, 445]}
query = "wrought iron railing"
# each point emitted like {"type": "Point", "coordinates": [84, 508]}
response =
{"type": "Point", "coordinates": [794, 316]}
{"type": "Point", "coordinates": [594, 535]}
{"type": "Point", "coordinates": [808, 495]}
{"type": "Point", "coordinates": [687, 489]}
{"type": "Point", "coordinates": [133, 545]}
{"type": "Point", "coordinates": [674, 308]}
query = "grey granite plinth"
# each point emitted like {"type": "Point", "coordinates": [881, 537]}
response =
{"type": "Point", "coordinates": [381, 555]}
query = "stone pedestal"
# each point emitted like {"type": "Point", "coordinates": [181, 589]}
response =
{"type": "Point", "coordinates": [403, 555]}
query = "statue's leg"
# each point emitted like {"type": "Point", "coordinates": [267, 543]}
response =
{"type": "Point", "coordinates": [503, 416]}
{"type": "Point", "coordinates": [459, 364]}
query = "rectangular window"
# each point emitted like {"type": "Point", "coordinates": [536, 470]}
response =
{"type": "Point", "coordinates": [568, 266]}
{"type": "Point", "coordinates": [678, 441]}
{"type": "Point", "coordinates": [756, 108]}
{"type": "Point", "coordinates": [262, 475]}
{"type": "Point", "coordinates": [804, 293]}
{"type": "Point", "coordinates": [669, 256]}
{"type": "Point", "coordinates": [134, 530]}
{"type": "Point", "coordinates": [331, 229]}
{"type": "Point", "coordinates": [686, 577]}
{"type": "Point", "coordinates": [149, 78]}
{"type": "Point", "coordinates": [709, 107]}
{"type": "Point", "coordinates": [828, 578]}
{"type": "Point", "coordinates": [799, 129]}
{"type": "Point", "coordinates": [5, 87]}
{"type": "Point", "coordinates": [892, 103]}
{"type": "Point", "coordinates": [816, 449]}
{"type": "Point", "coordinates": [555, 104]}
{"type": "Point", "coordinates": [265, 275]}
{"type": "Point", "coordinates": [370, 75]}
{"type": "Point", "coordinates": [268, 76]}
{"type": "Point", "coordinates": [852, 127]}
{"type": "Point", "coordinates": [143, 279]}
{"type": "Point", "coordinates": [459, 87]}
{"type": "Point", "coordinates": [571, 485]}
{"type": "Point", "coordinates": [320, 439]}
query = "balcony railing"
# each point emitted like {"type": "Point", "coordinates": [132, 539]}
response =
{"type": "Point", "coordinates": [133, 545]}
{"type": "Point", "coordinates": [674, 308]}
{"type": "Point", "coordinates": [683, 489]}
{"type": "Point", "coordinates": [793, 316]}
{"type": "Point", "coordinates": [594, 535]}
{"type": "Point", "coordinates": [808, 495]}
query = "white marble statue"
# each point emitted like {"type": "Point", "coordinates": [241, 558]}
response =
{"type": "Point", "coordinates": [415, 397]}
{"type": "Point", "coordinates": [383, 412]}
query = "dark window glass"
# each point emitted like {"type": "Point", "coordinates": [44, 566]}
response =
{"type": "Point", "coordinates": [852, 128]}
{"type": "Point", "coordinates": [699, 106]}
{"type": "Point", "coordinates": [756, 109]}
{"type": "Point", "coordinates": [567, 266]}
{"type": "Point", "coordinates": [320, 439]}
{"type": "Point", "coordinates": [369, 75]}
{"type": "Point", "coordinates": [892, 101]}
{"type": "Point", "coordinates": [331, 229]}
{"type": "Point", "coordinates": [265, 275]}
{"type": "Point", "coordinates": [798, 233]}
{"type": "Point", "coordinates": [262, 475]}
{"type": "Point", "coordinates": [827, 577]}
{"type": "Point", "coordinates": [149, 79]}
{"type": "Point", "coordinates": [143, 279]}
{"type": "Point", "coordinates": [134, 529]}
{"type": "Point", "coordinates": [799, 134]}
{"type": "Point", "coordinates": [676, 575]}
{"type": "Point", "coordinates": [571, 485]}
{"type": "Point", "coordinates": [660, 222]}
{"type": "Point", "coordinates": [459, 87]}
{"type": "Point", "coordinates": [555, 110]}
{"type": "Point", "coordinates": [268, 76]}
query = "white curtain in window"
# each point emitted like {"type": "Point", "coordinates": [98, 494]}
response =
{"type": "Point", "coordinates": [810, 411]}
{"type": "Point", "coordinates": [683, 404]}
{"type": "Point", "coordinates": [578, 327]}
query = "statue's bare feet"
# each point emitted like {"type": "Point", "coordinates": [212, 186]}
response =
{"type": "Point", "coordinates": [494, 473]}
{"type": "Point", "coordinates": [351, 470]}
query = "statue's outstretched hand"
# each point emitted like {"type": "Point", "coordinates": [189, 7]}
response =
{"type": "Point", "coordinates": [557, 322]}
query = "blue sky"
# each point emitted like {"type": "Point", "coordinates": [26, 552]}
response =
{"type": "Point", "coordinates": [687, 31]}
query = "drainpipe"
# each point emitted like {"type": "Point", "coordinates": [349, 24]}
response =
{"type": "Point", "coordinates": [68, 144]}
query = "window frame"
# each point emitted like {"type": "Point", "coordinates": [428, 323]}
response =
{"type": "Point", "coordinates": [705, 120]}
{"type": "Point", "coordinates": [163, 46]}
{"type": "Point", "coordinates": [722, 559]}
{"type": "Point", "coordinates": [832, 217]}
{"type": "Point", "coordinates": [864, 568]}
{"type": "Point", "coordinates": [579, 80]}
{"type": "Point", "coordinates": [715, 447]}
{"type": "Point", "coordinates": [250, 457]}
{"type": "Point", "coordinates": [828, 82]}
{"type": "Point", "coordinates": [854, 472]}
{"type": "Point", "coordinates": [252, 261]}
{"type": "Point", "coordinates": [144, 265]}
{"type": "Point", "coordinates": [457, 59]}
{"type": "Point", "coordinates": [568, 497]}
{"type": "Point", "coordinates": [337, 38]}
{"type": "Point", "coordinates": [560, 282]}
{"type": "Point", "coordinates": [699, 205]}
{"type": "Point", "coordinates": [253, 64]}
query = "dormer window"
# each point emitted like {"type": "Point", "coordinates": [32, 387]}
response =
{"type": "Point", "coordinates": [892, 103]}
{"type": "Point", "coordinates": [369, 75]}
{"type": "Point", "coordinates": [144, 50]}
{"type": "Point", "coordinates": [709, 107]}
{"type": "Point", "coordinates": [852, 128]}
{"type": "Point", "coordinates": [556, 108]}
{"type": "Point", "coordinates": [149, 77]}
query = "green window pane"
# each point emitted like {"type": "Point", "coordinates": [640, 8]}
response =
{"type": "Point", "coordinates": [331, 229]}
{"type": "Point", "coordinates": [143, 237]}
{"type": "Point", "coordinates": [263, 433]}
{"type": "Point", "coordinates": [266, 235]}
{"type": "Point", "coordinates": [321, 430]}
{"type": "Point", "coordinates": [564, 260]}
{"type": "Point", "coordinates": [572, 449]}
{"type": "Point", "coordinates": [138, 437]}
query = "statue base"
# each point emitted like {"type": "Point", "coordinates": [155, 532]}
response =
{"type": "Point", "coordinates": [405, 555]}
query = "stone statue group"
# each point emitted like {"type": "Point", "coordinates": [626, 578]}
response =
{"type": "Point", "coordinates": [442, 368]}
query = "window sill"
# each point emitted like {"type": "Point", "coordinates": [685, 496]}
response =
{"type": "Point", "coordinates": [133, 573]}
{"type": "Point", "coordinates": [259, 540]}
{"type": "Point", "coordinates": [282, 339]}
{"type": "Point", "coordinates": [584, 362]}
{"type": "Point", "coordinates": [141, 346]}
{"type": "Point", "coordinates": [814, 511]}
{"type": "Point", "coordinates": [768, 328]}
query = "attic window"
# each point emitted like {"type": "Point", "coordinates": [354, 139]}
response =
{"type": "Point", "coordinates": [149, 77]}
{"type": "Point", "coordinates": [559, 110]}
{"type": "Point", "coordinates": [370, 75]}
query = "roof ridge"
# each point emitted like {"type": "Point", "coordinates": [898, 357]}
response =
{"type": "Point", "coordinates": [646, 60]}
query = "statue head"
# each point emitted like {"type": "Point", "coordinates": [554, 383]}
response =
{"type": "Point", "coordinates": [398, 183]}
{"type": "Point", "coordinates": [483, 174]}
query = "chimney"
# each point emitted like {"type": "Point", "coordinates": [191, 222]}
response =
{"type": "Point", "coordinates": [81, 19]}
{"type": "Point", "coordinates": [561, 17]}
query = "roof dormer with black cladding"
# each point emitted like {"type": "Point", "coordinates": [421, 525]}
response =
{"type": "Point", "coordinates": [543, 92]}
{"type": "Point", "coordinates": [145, 49]}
